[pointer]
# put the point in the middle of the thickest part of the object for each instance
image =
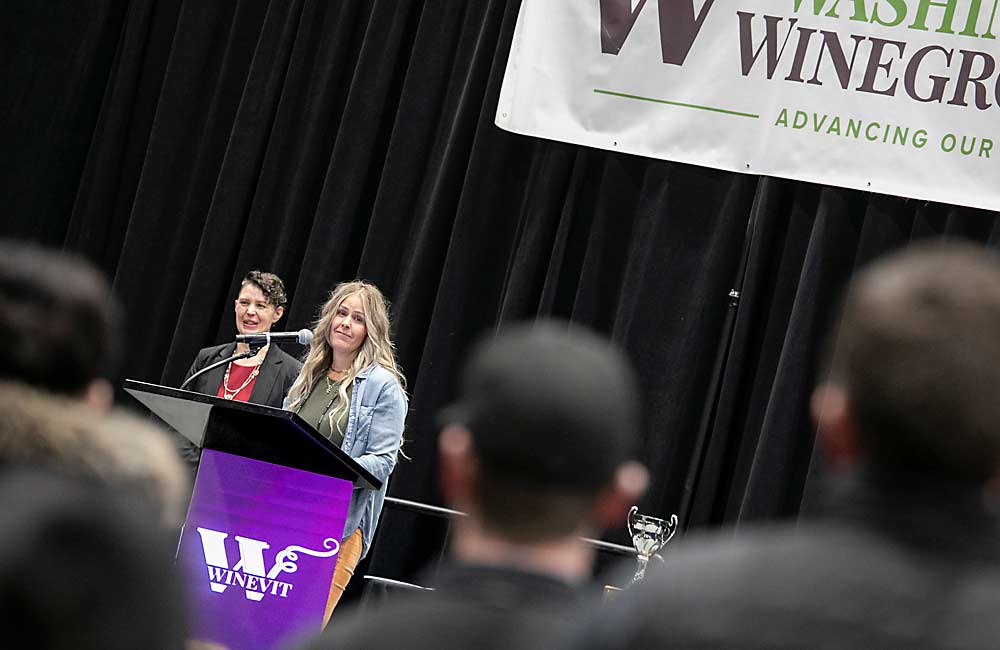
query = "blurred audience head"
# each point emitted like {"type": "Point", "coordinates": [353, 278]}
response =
{"type": "Point", "coordinates": [83, 568]}
{"type": "Point", "coordinates": [59, 323]}
{"type": "Point", "coordinates": [915, 365]}
{"type": "Point", "coordinates": [537, 446]}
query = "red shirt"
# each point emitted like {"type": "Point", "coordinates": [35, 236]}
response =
{"type": "Point", "coordinates": [237, 375]}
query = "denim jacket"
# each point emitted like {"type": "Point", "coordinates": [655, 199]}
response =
{"type": "Point", "coordinates": [372, 438]}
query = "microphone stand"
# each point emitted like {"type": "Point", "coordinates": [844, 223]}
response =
{"type": "Point", "coordinates": [252, 352]}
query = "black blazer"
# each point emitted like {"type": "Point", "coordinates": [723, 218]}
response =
{"type": "Point", "coordinates": [277, 374]}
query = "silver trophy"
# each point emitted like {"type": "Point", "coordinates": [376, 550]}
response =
{"type": "Point", "coordinates": [649, 535]}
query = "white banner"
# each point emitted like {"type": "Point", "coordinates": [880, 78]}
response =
{"type": "Point", "coordinates": [893, 96]}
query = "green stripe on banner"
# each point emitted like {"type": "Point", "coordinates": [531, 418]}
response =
{"type": "Point", "coordinates": [681, 104]}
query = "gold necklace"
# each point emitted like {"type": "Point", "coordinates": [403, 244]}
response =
{"type": "Point", "coordinates": [229, 393]}
{"type": "Point", "coordinates": [330, 384]}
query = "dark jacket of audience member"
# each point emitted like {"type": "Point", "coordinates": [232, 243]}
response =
{"type": "Point", "coordinates": [906, 553]}
{"type": "Point", "coordinates": [535, 451]}
{"type": "Point", "coordinates": [83, 567]}
{"type": "Point", "coordinates": [473, 606]}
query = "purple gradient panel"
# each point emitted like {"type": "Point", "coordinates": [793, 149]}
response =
{"type": "Point", "coordinates": [259, 549]}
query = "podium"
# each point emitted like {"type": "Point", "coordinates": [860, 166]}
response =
{"type": "Point", "coordinates": [259, 543]}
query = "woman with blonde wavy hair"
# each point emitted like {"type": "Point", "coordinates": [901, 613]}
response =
{"type": "Point", "coordinates": [352, 390]}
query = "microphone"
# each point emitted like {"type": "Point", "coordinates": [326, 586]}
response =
{"type": "Point", "coordinates": [302, 337]}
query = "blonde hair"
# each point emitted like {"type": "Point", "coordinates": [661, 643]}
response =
{"type": "Point", "coordinates": [377, 348]}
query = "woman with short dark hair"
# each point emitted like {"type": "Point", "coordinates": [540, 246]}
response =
{"type": "Point", "coordinates": [261, 379]}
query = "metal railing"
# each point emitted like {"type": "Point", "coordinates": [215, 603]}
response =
{"type": "Point", "coordinates": [399, 584]}
{"type": "Point", "coordinates": [438, 511]}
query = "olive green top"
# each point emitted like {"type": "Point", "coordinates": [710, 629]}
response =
{"type": "Point", "coordinates": [325, 397]}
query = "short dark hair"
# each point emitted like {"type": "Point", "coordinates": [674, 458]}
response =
{"type": "Point", "coordinates": [524, 511]}
{"type": "Point", "coordinates": [270, 285]}
{"type": "Point", "coordinates": [552, 409]}
{"type": "Point", "coordinates": [58, 320]}
{"type": "Point", "coordinates": [918, 351]}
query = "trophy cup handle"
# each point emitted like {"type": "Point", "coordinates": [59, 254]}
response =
{"type": "Point", "coordinates": [628, 519]}
{"type": "Point", "coordinates": [670, 530]}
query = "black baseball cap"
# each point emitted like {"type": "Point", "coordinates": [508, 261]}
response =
{"type": "Point", "coordinates": [549, 403]}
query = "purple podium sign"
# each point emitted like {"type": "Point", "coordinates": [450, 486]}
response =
{"type": "Point", "coordinates": [259, 547]}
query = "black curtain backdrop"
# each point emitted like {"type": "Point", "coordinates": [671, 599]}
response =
{"type": "Point", "coordinates": [180, 144]}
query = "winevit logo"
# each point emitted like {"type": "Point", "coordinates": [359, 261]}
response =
{"type": "Point", "coordinates": [250, 573]}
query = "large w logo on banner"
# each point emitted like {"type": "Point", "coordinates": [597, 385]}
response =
{"type": "Point", "coordinates": [679, 25]}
